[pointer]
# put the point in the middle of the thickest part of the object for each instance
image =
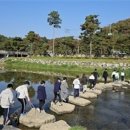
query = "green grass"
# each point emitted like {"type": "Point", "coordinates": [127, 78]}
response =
{"type": "Point", "coordinates": [64, 69]}
{"type": "Point", "coordinates": [70, 70]}
{"type": "Point", "coordinates": [107, 60]}
{"type": "Point", "coordinates": [77, 128]}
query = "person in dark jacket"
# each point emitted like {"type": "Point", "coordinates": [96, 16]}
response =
{"type": "Point", "coordinates": [41, 94]}
{"type": "Point", "coordinates": [57, 89]}
{"type": "Point", "coordinates": [96, 75]}
{"type": "Point", "coordinates": [84, 81]}
{"type": "Point", "coordinates": [105, 75]}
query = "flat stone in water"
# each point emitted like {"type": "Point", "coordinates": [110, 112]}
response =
{"type": "Point", "coordinates": [59, 125]}
{"type": "Point", "coordinates": [88, 95]}
{"type": "Point", "coordinates": [35, 119]}
{"type": "Point", "coordinates": [62, 108]}
{"type": "Point", "coordinates": [96, 91]}
{"type": "Point", "coordinates": [79, 101]}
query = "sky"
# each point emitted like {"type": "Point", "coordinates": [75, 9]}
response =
{"type": "Point", "coordinates": [18, 17]}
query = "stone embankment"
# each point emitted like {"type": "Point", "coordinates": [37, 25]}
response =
{"type": "Point", "coordinates": [76, 62]}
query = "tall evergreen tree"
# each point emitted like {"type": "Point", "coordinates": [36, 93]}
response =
{"type": "Point", "coordinates": [89, 29]}
{"type": "Point", "coordinates": [55, 21]}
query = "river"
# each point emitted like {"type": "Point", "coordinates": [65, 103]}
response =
{"type": "Point", "coordinates": [110, 111]}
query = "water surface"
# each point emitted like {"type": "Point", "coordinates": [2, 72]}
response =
{"type": "Point", "coordinates": [110, 111]}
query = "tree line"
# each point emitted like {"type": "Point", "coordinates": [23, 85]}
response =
{"type": "Point", "coordinates": [94, 40]}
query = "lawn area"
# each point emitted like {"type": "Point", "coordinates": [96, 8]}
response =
{"type": "Point", "coordinates": [66, 69]}
{"type": "Point", "coordinates": [107, 60]}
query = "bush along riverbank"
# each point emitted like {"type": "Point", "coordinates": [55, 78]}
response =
{"type": "Point", "coordinates": [64, 67]}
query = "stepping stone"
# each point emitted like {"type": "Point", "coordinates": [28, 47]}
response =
{"type": "Point", "coordinates": [125, 87]}
{"type": "Point", "coordinates": [79, 101]}
{"type": "Point", "coordinates": [96, 91]}
{"type": "Point", "coordinates": [61, 109]}
{"type": "Point", "coordinates": [100, 86]}
{"type": "Point", "coordinates": [117, 85]}
{"type": "Point", "coordinates": [109, 85]}
{"type": "Point", "coordinates": [34, 118]}
{"type": "Point", "coordinates": [88, 95]}
{"type": "Point", "coordinates": [9, 127]}
{"type": "Point", "coordinates": [124, 83]}
{"type": "Point", "coordinates": [59, 125]}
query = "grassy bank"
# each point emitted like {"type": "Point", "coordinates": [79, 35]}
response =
{"type": "Point", "coordinates": [106, 60]}
{"type": "Point", "coordinates": [78, 128]}
{"type": "Point", "coordinates": [66, 69]}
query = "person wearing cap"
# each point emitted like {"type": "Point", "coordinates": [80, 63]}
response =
{"type": "Point", "coordinates": [22, 95]}
{"type": "Point", "coordinates": [6, 101]}
{"type": "Point", "coordinates": [41, 94]}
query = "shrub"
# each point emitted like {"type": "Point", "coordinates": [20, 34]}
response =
{"type": "Point", "coordinates": [78, 128]}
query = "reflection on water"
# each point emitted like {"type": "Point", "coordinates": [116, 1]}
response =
{"type": "Point", "coordinates": [110, 111]}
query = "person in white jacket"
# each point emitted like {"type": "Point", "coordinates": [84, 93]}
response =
{"type": "Point", "coordinates": [22, 95]}
{"type": "Point", "coordinates": [6, 101]}
{"type": "Point", "coordinates": [76, 84]}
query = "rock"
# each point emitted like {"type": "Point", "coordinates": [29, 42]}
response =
{"type": "Point", "coordinates": [124, 87]}
{"type": "Point", "coordinates": [117, 85]}
{"type": "Point", "coordinates": [88, 95]}
{"type": "Point", "coordinates": [79, 101]}
{"type": "Point", "coordinates": [59, 125]}
{"type": "Point", "coordinates": [34, 118]}
{"type": "Point", "coordinates": [9, 127]}
{"type": "Point", "coordinates": [96, 91]}
{"type": "Point", "coordinates": [108, 85]}
{"type": "Point", "coordinates": [124, 83]}
{"type": "Point", "coordinates": [61, 109]}
{"type": "Point", "coordinates": [100, 86]}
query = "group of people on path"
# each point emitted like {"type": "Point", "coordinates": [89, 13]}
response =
{"type": "Point", "coordinates": [116, 75]}
{"type": "Point", "coordinates": [60, 90]}
{"type": "Point", "coordinates": [8, 96]}
{"type": "Point", "coordinates": [7, 99]}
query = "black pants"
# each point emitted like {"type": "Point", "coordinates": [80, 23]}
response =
{"type": "Point", "coordinates": [23, 103]}
{"type": "Point", "coordinates": [114, 78]}
{"type": "Point", "coordinates": [122, 78]}
{"type": "Point", "coordinates": [41, 103]}
{"type": "Point", "coordinates": [92, 83]}
{"type": "Point", "coordinates": [76, 92]}
{"type": "Point", "coordinates": [6, 115]}
{"type": "Point", "coordinates": [55, 96]}
{"type": "Point", "coordinates": [105, 80]}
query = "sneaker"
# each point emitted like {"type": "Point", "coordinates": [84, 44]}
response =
{"type": "Point", "coordinates": [22, 114]}
{"type": "Point", "coordinates": [63, 100]}
{"type": "Point", "coordinates": [7, 122]}
{"type": "Point", "coordinates": [38, 109]}
{"type": "Point", "coordinates": [60, 104]}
